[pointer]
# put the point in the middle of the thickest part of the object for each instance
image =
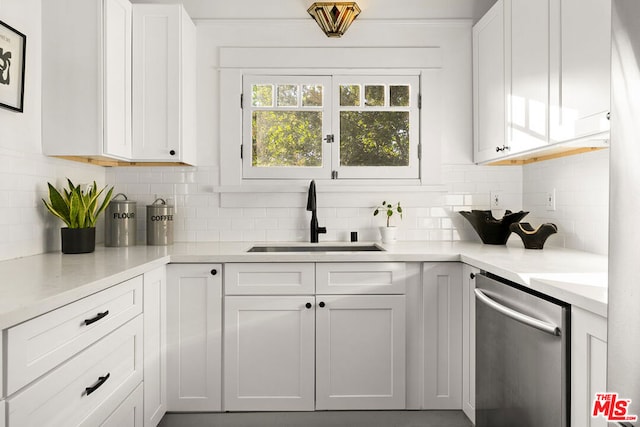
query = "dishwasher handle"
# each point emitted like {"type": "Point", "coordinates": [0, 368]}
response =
{"type": "Point", "coordinates": [547, 327]}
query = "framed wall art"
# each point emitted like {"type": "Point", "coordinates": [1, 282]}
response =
{"type": "Point", "coordinates": [12, 58]}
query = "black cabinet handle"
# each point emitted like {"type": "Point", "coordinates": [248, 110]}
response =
{"type": "Point", "coordinates": [308, 305]}
{"type": "Point", "coordinates": [609, 115]}
{"type": "Point", "coordinates": [99, 316]}
{"type": "Point", "coordinates": [472, 276]}
{"type": "Point", "coordinates": [172, 152]}
{"type": "Point", "coordinates": [214, 272]}
{"type": "Point", "coordinates": [101, 380]}
{"type": "Point", "coordinates": [321, 304]}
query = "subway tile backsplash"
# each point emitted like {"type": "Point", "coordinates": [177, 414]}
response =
{"type": "Point", "coordinates": [26, 226]}
{"type": "Point", "coordinates": [581, 184]}
{"type": "Point", "coordinates": [427, 216]}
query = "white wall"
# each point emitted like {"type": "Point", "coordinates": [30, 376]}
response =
{"type": "Point", "coordinates": [582, 199]}
{"type": "Point", "coordinates": [26, 228]}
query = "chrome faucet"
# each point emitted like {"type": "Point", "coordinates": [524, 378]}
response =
{"type": "Point", "coordinates": [312, 206]}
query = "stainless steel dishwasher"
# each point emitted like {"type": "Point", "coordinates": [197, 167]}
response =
{"type": "Point", "coordinates": [522, 356]}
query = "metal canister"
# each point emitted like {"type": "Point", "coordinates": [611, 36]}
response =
{"type": "Point", "coordinates": [120, 222]}
{"type": "Point", "coordinates": [159, 223]}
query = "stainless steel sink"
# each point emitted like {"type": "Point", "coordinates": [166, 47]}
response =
{"type": "Point", "coordinates": [316, 248]}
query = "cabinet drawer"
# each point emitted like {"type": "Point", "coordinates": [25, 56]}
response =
{"type": "Point", "coordinates": [128, 414]}
{"type": "Point", "coordinates": [42, 343]}
{"type": "Point", "coordinates": [269, 279]}
{"type": "Point", "coordinates": [62, 398]}
{"type": "Point", "coordinates": [361, 278]}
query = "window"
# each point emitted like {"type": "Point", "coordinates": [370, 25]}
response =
{"type": "Point", "coordinates": [330, 127]}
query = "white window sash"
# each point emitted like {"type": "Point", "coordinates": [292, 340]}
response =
{"type": "Point", "coordinates": [381, 172]}
{"type": "Point", "coordinates": [292, 172]}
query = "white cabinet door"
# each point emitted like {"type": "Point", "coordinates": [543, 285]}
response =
{"type": "Point", "coordinates": [86, 90]}
{"type": "Point", "coordinates": [588, 365]}
{"type": "Point", "coordinates": [442, 305]}
{"type": "Point", "coordinates": [469, 341]}
{"type": "Point", "coordinates": [155, 346]}
{"type": "Point", "coordinates": [527, 59]}
{"type": "Point", "coordinates": [581, 69]}
{"type": "Point", "coordinates": [269, 353]}
{"type": "Point", "coordinates": [360, 352]}
{"type": "Point", "coordinates": [164, 83]}
{"type": "Point", "coordinates": [194, 337]}
{"type": "Point", "coordinates": [489, 85]}
{"type": "Point", "coordinates": [117, 78]}
{"type": "Point", "coordinates": [128, 414]}
{"type": "Point", "coordinates": [2, 413]}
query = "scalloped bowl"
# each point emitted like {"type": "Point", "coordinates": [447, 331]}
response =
{"type": "Point", "coordinates": [492, 231]}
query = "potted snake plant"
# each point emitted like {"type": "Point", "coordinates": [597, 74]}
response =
{"type": "Point", "coordinates": [79, 209]}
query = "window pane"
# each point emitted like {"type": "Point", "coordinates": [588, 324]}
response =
{"type": "Point", "coordinates": [374, 96]}
{"type": "Point", "coordinates": [287, 95]}
{"type": "Point", "coordinates": [262, 96]}
{"type": "Point", "coordinates": [399, 96]}
{"type": "Point", "coordinates": [312, 96]}
{"type": "Point", "coordinates": [374, 138]}
{"type": "Point", "coordinates": [350, 96]}
{"type": "Point", "coordinates": [287, 138]}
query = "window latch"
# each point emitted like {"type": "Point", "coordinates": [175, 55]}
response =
{"type": "Point", "coordinates": [329, 139]}
{"type": "Point", "coordinates": [334, 174]}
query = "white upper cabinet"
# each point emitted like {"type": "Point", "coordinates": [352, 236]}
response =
{"type": "Point", "coordinates": [580, 69]}
{"type": "Point", "coordinates": [527, 59]}
{"type": "Point", "coordinates": [86, 83]}
{"type": "Point", "coordinates": [164, 88]}
{"type": "Point", "coordinates": [541, 79]}
{"type": "Point", "coordinates": [489, 85]}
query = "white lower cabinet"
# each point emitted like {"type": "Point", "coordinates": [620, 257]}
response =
{"type": "Point", "coordinates": [129, 413]}
{"type": "Point", "coordinates": [588, 365]}
{"type": "Point", "coordinates": [360, 352]}
{"type": "Point", "coordinates": [2, 413]}
{"type": "Point", "coordinates": [155, 346]}
{"type": "Point", "coordinates": [469, 341]}
{"type": "Point", "coordinates": [442, 305]}
{"type": "Point", "coordinates": [309, 352]}
{"type": "Point", "coordinates": [269, 353]}
{"type": "Point", "coordinates": [194, 347]}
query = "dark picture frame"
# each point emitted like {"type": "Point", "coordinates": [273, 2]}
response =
{"type": "Point", "coordinates": [13, 49]}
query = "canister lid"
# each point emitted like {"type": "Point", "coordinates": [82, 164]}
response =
{"type": "Point", "coordinates": [125, 201]}
{"type": "Point", "coordinates": [159, 203]}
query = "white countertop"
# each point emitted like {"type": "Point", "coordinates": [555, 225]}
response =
{"type": "Point", "coordinates": [35, 285]}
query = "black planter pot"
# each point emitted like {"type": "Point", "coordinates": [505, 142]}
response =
{"type": "Point", "coordinates": [78, 240]}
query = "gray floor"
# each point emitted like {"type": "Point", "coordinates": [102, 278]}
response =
{"type": "Point", "coordinates": [320, 419]}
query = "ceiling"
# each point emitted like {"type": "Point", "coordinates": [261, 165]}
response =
{"type": "Point", "coordinates": [371, 9]}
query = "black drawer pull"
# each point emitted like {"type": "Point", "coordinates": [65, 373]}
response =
{"type": "Point", "coordinates": [214, 272]}
{"type": "Point", "coordinates": [99, 316]}
{"type": "Point", "coordinates": [321, 304]}
{"type": "Point", "coordinates": [101, 380]}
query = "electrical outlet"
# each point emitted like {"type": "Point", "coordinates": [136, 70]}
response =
{"type": "Point", "coordinates": [496, 200]}
{"type": "Point", "coordinates": [550, 201]}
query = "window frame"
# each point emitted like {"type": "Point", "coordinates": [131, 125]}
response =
{"type": "Point", "coordinates": [331, 126]}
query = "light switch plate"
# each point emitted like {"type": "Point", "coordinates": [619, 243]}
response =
{"type": "Point", "coordinates": [495, 200]}
{"type": "Point", "coordinates": [550, 201]}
